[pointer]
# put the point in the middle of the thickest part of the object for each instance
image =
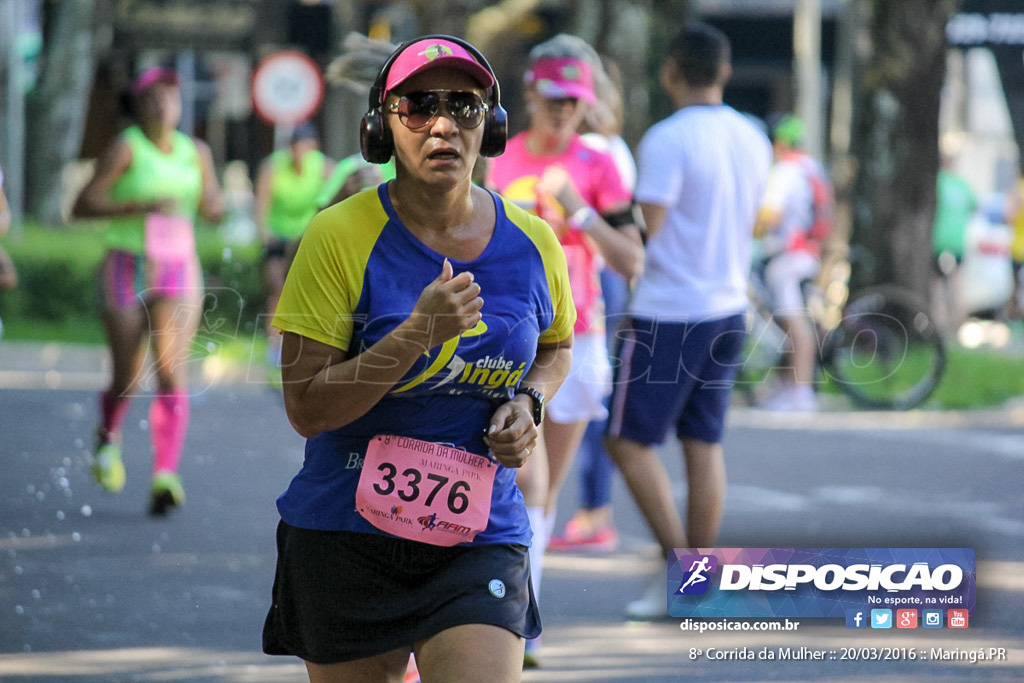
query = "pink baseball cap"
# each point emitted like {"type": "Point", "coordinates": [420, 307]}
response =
{"type": "Point", "coordinates": [152, 75]}
{"type": "Point", "coordinates": [558, 77]}
{"type": "Point", "coordinates": [431, 53]}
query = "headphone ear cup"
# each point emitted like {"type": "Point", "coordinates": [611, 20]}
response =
{"type": "Point", "coordinates": [375, 140]}
{"type": "Point", "coordinates": [495, 132]}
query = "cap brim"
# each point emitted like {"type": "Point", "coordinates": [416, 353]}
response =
{"type": "Point", "coordinates": [155, 75]}
{"type": "Point", "coordinates": [555, 90]}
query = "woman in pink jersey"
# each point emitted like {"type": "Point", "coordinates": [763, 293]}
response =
{"type": "Point", "coordinates": [578, 190]}
{"type": "Point", "coordinates": [150, 183]}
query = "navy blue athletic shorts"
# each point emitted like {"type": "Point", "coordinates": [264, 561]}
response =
{"type": "Point", "coordinates": [673, 372]}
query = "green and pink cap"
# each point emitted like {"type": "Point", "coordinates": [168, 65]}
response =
{"type": "Point", "coordinates": [433, 53]}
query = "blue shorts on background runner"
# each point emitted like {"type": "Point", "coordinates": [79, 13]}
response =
{"type": "Point", "coordinates": [673, 372]}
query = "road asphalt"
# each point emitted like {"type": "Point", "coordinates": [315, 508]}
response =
{"type": "Point", "coordinates": [94, 591]}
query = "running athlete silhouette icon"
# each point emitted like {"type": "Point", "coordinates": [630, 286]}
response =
{"type": "Point", "coordinates": [429, 522]}
{"type": "Point", "coordinates": [696, 573]}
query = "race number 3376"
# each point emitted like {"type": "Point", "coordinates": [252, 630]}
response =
{"type": "Point", "coordinates": [425, 491]}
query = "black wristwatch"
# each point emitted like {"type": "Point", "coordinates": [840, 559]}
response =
{"type": "Point", "coordinates": [538, 403]}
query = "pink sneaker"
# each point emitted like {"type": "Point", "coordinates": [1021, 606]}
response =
{"type": "Point", "coordinates": [604, 539]}
{"type": "Point", "coordinates": [412, 672]}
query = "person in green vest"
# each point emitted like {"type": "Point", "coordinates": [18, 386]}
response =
{"type": "Point", "coordinates": [150, 185]}
{"type": "Point", "coordinates": [288, 185]}
{"type": "Point", "coordinates": [351, 175]}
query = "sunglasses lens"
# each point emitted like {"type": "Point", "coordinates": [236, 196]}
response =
{"type": "Point", "coordinates": [467, 109]}
{"type": "Point", "coordinates": [418, 109]}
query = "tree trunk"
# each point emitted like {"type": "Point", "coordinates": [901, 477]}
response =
{"type": "Point", "coordinates": [56, 107]}
{"type": "Point", "coordinates": [897, 140]}
{"type": "Point", "coordinates": [633, 34]}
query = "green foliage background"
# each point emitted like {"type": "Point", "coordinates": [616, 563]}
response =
{"type": "Point", "coordinates": [56, 296]}
{"type": "Point", "coordinates": [56, 301]}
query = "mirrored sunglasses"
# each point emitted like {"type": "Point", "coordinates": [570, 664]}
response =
{"type": "Point", "coordinates": [419, 109]}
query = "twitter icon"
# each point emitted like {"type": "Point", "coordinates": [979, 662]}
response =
{"type": "Point", "coordinates": [881, 618]}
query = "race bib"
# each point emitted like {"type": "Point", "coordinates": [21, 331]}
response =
{"type": "Point", "coordinates": [424, 491]}
{"type": "Point", "coordinates": [169, 239]}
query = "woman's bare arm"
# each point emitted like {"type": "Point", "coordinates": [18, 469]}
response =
{"type": "Point", "coordinates": [325, 389]}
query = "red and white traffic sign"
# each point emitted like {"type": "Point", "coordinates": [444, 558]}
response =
{"type": "Point", "coordinates": [287, 88]}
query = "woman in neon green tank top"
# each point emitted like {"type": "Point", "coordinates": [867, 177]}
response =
{"type": "Point", "coordinates": [150, 184]}
{"type": "Point", "coordinates": [287, 188]}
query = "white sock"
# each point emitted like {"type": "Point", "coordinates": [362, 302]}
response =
{"type": "Point", "coordinates": [549, 528]}
{"type": "Point", "coordinates": [540, 542]}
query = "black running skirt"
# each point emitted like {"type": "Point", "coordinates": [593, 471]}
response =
{"type": "Point", "coordinates": [340, 596]}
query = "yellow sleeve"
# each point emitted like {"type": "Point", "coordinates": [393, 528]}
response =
{"type": "Point", "coordinates": [325, 280]}
{"type": "Point", "coordinates": [555, 269]}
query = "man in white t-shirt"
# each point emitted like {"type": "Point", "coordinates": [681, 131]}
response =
{"type": "Point", "coordinates": [702, 173]}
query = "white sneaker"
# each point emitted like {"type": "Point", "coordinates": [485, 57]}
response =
{"type": "Point", "coordinates": [802, 399]}
{"type": "Point", "coordinates": [653, 605]}
{"type": "Point", "coordinates": [799, 398]}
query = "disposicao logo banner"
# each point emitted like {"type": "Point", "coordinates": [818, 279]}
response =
{"type": "Point", "coordinates": [817, 582]}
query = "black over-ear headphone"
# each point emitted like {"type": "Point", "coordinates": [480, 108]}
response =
{"type": "Point", "coordinates": [375, 139]}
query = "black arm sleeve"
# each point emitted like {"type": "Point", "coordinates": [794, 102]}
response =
{"type": "Point", "coordinates": [630, 216]}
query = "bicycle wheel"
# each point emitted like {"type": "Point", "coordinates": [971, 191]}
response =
{"type": "Point", "coordinates": [885, 352]}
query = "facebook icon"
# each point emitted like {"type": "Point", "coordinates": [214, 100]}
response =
{"type": "Point", "coordinates": [856, 618]}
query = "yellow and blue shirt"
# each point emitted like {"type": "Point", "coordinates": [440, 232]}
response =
{"type": "Point", "coordinates": [357, 275]}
